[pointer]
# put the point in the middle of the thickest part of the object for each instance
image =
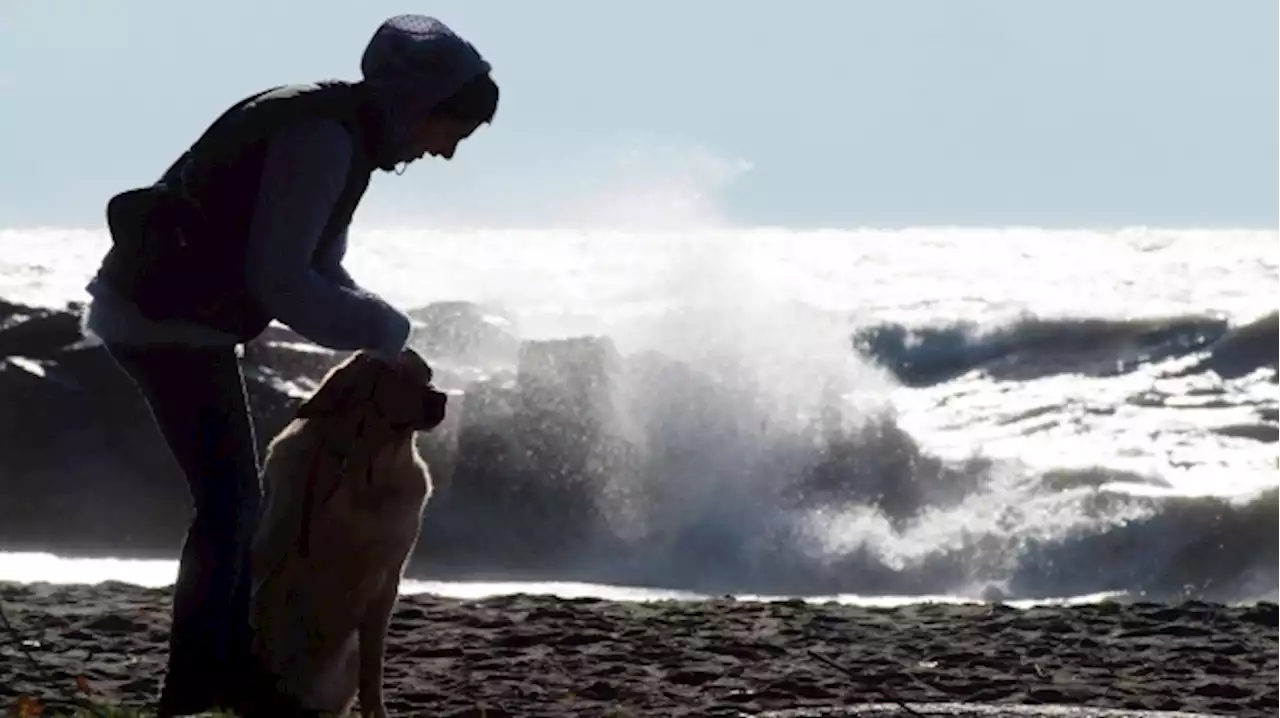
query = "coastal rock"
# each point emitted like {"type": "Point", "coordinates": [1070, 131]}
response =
{"type": "Point", "coordinates": [568, 460]}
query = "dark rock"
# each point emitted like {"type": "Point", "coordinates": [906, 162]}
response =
{"type": "Point", "coordinates": [84, 468]}
{"type": "Point", "coordinates": [36, 333]}
{"type": "Point", "coordinates": [517, 462]}
{"type": "Point", "coordinates": [576, 463]}
{"type": "Point", "coordinates": [466, 333]}
{"type": "Point", "coordinates": [531, 455]}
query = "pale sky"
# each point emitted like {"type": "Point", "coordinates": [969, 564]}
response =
{"type": "Point", "coordinates": [831, 113]}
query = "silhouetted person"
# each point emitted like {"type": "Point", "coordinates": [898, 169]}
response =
{"type": "Point", "coordinates": [247, 226]}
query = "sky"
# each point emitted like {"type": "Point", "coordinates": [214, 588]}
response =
{"type": "Point", "coordinates": [817, 113]}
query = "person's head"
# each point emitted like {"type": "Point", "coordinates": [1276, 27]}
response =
{"type": "Point", "coordinates": [455, 117]}
{"type": "Point", "coordinates": [433, 87]}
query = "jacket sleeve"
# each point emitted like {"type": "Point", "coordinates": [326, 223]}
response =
{"type": "Point", "coordinates": [329, 262]}
{"type": "Point", "coordinates": [303, 173]}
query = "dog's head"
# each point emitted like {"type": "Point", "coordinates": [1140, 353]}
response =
{"type": "Point", "coordinates": [400, 394]}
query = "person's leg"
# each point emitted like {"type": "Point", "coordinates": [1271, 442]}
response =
{"type": "Point", "coordinates": [198, 400]}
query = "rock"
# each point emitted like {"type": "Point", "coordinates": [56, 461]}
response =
{"type": "Point", "coordinates": [465, 333]}
{"type": "Point", "coordinates": [285, 355]}
{"type": "Point", "coordinates": [84, 468]}
{"type": "Point", "coordinates": [565, 403]}
{"type": "Point", "coordinates": [532, 454]}
{"type": "Point", "coordinates": [36, 333]}
{"type": "Point", "coordinates": [483, 492]}
{"type": "Point", "coordinates": [571, 463]}
{"type": "Point", "coordinates": [517, 462]}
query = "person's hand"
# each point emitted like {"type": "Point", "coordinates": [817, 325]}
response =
{"type": "Point", "coordinates": [385, 357]}
{"type": "Point", "coordinates": [393, 351]}
{"type": "Point", "coordinates": [398, 360]}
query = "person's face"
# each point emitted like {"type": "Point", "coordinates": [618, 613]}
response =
{"type": "Point", "coordinates": [439, 137]}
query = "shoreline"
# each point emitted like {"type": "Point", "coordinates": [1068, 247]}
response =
{"type": "Point", "coordinates": [541, 655]}
{"type": "Point", "coordinates": [159, 574]}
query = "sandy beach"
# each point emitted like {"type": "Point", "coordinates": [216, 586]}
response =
{"type": "Point", "coordinates": [529, 655]}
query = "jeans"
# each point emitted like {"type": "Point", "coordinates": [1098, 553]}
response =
{"type": "Point", "coordinates": [198, 399]}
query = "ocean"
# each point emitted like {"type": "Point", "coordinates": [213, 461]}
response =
{"type": "Point", "coordinates": [1065, 377]}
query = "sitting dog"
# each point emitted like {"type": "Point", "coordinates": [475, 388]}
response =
{"type": "Point", "coordinates": [344, 490]}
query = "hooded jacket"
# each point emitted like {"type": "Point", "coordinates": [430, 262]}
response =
{"type": "Point", "coordinates": [273, 204]}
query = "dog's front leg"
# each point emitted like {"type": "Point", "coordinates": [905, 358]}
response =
{"type": "Point", "coordinates": [373, 650]}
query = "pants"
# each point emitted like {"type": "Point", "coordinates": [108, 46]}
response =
{"type": "Point", "coordinates": [198, 399]}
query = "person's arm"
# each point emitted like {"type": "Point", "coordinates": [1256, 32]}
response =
{"type": "Point", "coordinates": [329, 262]}
{"type": "Point", "coordinates": [303, 174]}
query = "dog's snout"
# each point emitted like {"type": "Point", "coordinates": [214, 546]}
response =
{"type": "Point", "coordinates": [434, 406]}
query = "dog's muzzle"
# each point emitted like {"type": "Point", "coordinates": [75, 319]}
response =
{"type": "Point", "coordinates": [433, 409]}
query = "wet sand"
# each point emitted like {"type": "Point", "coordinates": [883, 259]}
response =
{"type": "Point", "coordinates": [546, 656]}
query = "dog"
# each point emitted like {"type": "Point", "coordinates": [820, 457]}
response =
{"type": "Point", "coordinates": [344, 490]}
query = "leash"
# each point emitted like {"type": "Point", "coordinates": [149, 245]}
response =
{"type": "Point", "coordinates": [344, 460]}
{"type": "Point", "coordinates": [15, 637]}
{"type": "Point", "coordinates": [325, 449]}
{"type": "Point", "coordinates": [309, 492]}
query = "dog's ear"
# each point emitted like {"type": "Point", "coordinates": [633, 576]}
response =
{"type": "Point", "coordinates": [338, 388]}
{"type": "Point", "coordinates": [413, 363]}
